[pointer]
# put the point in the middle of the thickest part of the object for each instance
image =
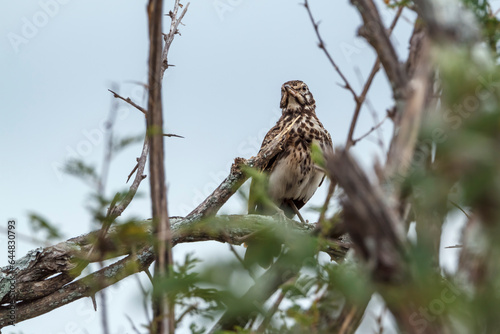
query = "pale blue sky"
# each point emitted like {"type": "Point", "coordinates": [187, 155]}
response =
{"type": "Point", "coordinates": [222, 96]}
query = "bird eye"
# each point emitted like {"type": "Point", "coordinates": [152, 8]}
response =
{"type": "Point", "coordinates": [304, 88]}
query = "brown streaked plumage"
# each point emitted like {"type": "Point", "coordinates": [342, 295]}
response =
{"type": "Point", "coordinates": [292, 175]}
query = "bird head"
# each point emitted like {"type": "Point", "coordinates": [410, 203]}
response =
{"type": "Point", "coordinates": [295, 95]}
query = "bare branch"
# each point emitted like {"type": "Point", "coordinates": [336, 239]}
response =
{"type": "Point", "coordinates": [163, 308]}
{"type": "Point", "coordinates": [270, 313]}
{"type": "Point", "coordinates": [171, 34]}
{"type": "Point", "coordinates": [373, 128]}
{"type": "Point", "coordinates": [115, 211]}
{"type": "Point", "coordinates": [359, 103]}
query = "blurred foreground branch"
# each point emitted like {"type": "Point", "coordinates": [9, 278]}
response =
{"type": "Point", "coordinates": [45, 276]}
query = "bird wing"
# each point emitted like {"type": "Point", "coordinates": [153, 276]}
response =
{"type": "Point", "coordinates": [271, 134]}
{"type": "Point", "coordinates": [253, 203]}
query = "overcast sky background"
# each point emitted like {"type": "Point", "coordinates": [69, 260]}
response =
{"type": "Point", "coordinates": [58, 58]}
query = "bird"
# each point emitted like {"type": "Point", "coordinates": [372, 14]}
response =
{"type": "Point", "coordinates": [292, 176]}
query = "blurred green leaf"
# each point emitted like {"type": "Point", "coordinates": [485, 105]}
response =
{"type": "Point", "coordinates": [81, 170]}
{"type": "Point", "coordinates": [41, 224]}
{"type": "Point", "coordinates": [125, 142]}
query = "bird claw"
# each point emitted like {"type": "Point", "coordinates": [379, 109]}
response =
{"type": "Point", "coordinates": [280, 216]}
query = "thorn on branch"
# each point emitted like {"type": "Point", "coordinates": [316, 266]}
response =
{"type": "Point", "coordinates": [94, 303]}
{"type": "Point", "coordinates": [133, 171]}
{"type": "Point", "coordinates": [149, 274]}
{"type": "Point", "coordinates": [172, 135]}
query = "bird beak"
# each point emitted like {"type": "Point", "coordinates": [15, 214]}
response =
{"type": "Point", "coordinates": [295, 94]}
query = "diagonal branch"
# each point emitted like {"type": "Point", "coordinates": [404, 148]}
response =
{"type": "Point", "coordinates": [373, 225]}
{"type": "Point", "coordinates": [236, 177]}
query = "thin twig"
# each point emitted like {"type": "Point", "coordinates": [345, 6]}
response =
{"type": "Point", "coordinates": [129, 101]}
{"type": "Point", "coordinates": [110, 122]}
{"type": "Point", "coordinates": [144, 294]}
{"type": "Point", "coordinates": [132, 324]}
{"type": "Point", "coordinates": [270, 313]}
{"type": "Point", "coordinates": [373, 128]}
{"type": "Point", "coordinates": [101, 190]}
{"type": "Point", "coordinates": [372, 110]}
{"type": "Point", "coordinates": [460, 208]}
{"type": "Point", "coordinates": [348, 321]}
{"type": "Point", "coordinates": [322, 46]}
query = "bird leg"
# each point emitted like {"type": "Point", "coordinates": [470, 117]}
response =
{"type": "Point", "coordinates": [281, 216]}
{"type": "Point", "coordinates": [294, 208]}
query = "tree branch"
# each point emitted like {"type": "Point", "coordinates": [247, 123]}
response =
{"type": "Point", "coordinates": [163, 308]}
{"type": "Point", "coordinates": [359, 103]}
{"type": "Point", "coordinates": [373, 226]}
{"type": "Point", "coordinates": [36, 295]}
